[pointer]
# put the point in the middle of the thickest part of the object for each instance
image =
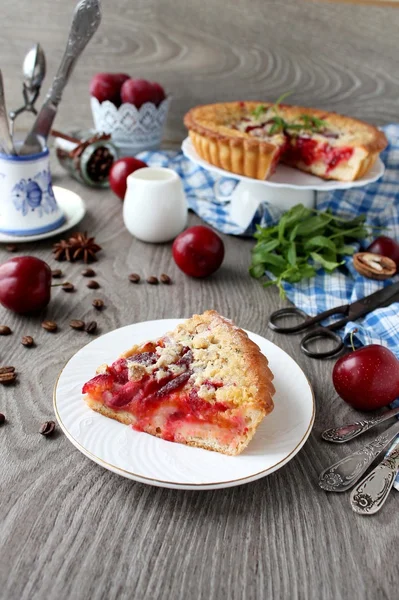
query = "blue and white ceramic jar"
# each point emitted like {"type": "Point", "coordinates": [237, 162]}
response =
{"type": "Point", "coordinates": [27, 202]}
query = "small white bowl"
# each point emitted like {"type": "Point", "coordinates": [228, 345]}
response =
{"type": "Point", "coordinates": [133, 129]}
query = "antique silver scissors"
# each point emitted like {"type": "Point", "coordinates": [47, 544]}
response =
{"type": "Point", "coordinates": [351, 312]}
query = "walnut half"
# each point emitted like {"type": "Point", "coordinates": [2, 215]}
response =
{"type": "Point", "coordinates": [374, 266]}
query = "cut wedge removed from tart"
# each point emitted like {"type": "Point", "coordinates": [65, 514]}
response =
{"type": "Point", "coordinates": [251, 138]}
{"type": "Point", "coordinates": [204, 384]}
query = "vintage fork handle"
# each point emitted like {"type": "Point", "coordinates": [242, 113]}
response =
{"type": "Point", "coordinates": [85, 21]}
{"type": "Point", "coordinates": [371, 493]}
{"type": "Point", "coordinates": [339, 435]}
{"type": "Point", "coordinates": [345, 473]}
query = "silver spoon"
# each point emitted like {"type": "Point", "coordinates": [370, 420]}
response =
{"type": "Point", "coordinates": [34, 72]}
{"type": "Point", "coordinates": [5, 137]}
{"type": "Point", "coordinates": [85, 21]}
{"type": "Point", "coordinates": [370, 494]}
{"type": "Point", "coordinates": [339, 435]}
{"type": "Point", "coordinates": [345, 473]}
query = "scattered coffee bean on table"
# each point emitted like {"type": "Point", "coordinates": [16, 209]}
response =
{"type": "Point", "coordinates": [11, 248]}
{"type": "Point", "coordinates": [93, 285]}
{"type": "Point", "coordinates": [165, 279]}
{"type": "Point", "coordinates": [68, 287]}
{"type": "Point", "coordinates": [27, 341]}
{"type": "Point", "coordinates": [98, 304]}
{"type": "Point", "coordinates": [7, 375]}
{"type": "Point", "coordinates": [50, 326]}
{"type": "Point", "coordinates": [88, 273]}
{"type": "Point", "coordinates": [5, 330]}
{"type": "Point", "coordinates": [47, 428]}
{"type": "Point", "coordinates": [56, 273]}
{"type": "Point", "coordinates": [2, 419]}
{"type": "Point", "coordinates": [77, 324]}
{"type": "Point", "coordinates": [134, 277]}
{"type": "Point", "coordinates": [91, 327]}
{"type": "Point", "coordinates": [152, 280]}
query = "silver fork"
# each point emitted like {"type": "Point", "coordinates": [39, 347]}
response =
{"type": "Point", "coordinates": [339, 435]}
{"type": "Point", "coordinates": [343, 474]}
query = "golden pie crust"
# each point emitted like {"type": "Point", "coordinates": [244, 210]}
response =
{"type": "Point", "coordinates": [215, 138]}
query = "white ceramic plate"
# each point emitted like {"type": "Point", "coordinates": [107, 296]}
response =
{"type": "Point", "coordinates": [147, 459]}
{"type": "Point", "coordinates": [287, 177]}
{"type": "Point", "coordinates": [71, 205]}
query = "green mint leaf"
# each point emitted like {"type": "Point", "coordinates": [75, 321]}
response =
{"type": "Point", "coordinates": [307, 271]}
{"type": "Point", "coordinates": [259, 111]}
{"type": "Point", "coordinates": [257, 271]}
{"type": "Point", "coordinates": [320, 241]}
{"type": "Point", "coordinates": [291, 254]}
{"type": "Point", "coordinates": [265, 246]}
{"type": "Point", "coordinates": [326, 264]}
{"type": "Point", "coordinates": [281, 98]}
{"type": "Point", "coordinates": [312, 224]}
{"type": "Point", "coordinates": [346, 250]}
{"type": "Point", "coordinates": [276, 261]}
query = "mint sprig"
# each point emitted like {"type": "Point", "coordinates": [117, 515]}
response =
{"type": "Point", "coordinates": [279, 124]}
{"type": "Point", "coordinates": [303, 241]}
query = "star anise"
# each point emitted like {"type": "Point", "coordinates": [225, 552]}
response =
{"type": "Point", "coordinates": [84, 247]}
{"type": "Point", "coordinates": [62, 251]}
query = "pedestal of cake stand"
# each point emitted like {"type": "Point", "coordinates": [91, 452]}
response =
{"type": "Point", "coordinates": [248, 195]}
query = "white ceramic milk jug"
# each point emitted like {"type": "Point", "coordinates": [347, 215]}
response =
{"type": "Point", "coordinates": [155, 206]}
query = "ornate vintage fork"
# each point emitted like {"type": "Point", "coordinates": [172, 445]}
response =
{"type": "Point", "coordinates": [345, 473]}
{"type": "Point", "coordinates": [339, 435]}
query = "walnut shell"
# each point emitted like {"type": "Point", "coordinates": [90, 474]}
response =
{"type": "Point", "coordinates": [374, 266]}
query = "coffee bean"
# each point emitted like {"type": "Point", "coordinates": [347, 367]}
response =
{"type": "Point", "coordinates": [134, 277]}
{"type": "Point", "coordinates": [93, 285]}
{"type": "Point", "coordinates": [8, 377]}
{"type": "Point", "coordinates": [27, 341]}
{"type": "Point", "coordinates": [91, 327]}
{"type": "Point", "coordinates": [152, 280]}
{"type": "Point", "coordinates": [56, 273]}
{"type": "Point", "coordinates": [50, 326]}
{"type": "Point", "coordinates": [98, 304]}
{"type": "Point", "coordinates": [47, 428]}
{"type": "Point", "coordinates": [88, 273]}
{"type": "Point", "coordinates": [2, 419]}
{"type": "Point", "coordinates": [11, 248]}
{"type": "Point", "coordinates": [165, 279]}
{"type": "Point", "coordinates": [6, 370]}
{"type": "Point", "coordinates": [77, 324]}
{"type": "Point", "coordinates": [68, 287]}
{"type": "Point", "coordinates": [5, 330]}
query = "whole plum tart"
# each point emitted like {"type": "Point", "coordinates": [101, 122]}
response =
{"type": "Point", "coordinates": [251, 138]}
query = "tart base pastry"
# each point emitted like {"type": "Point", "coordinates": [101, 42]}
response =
{"type": "Point", "coordinates": [250, 138]}
{"type": "Point", "coordinates": [205, 384]}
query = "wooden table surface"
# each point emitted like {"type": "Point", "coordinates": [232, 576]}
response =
{"type": "Point", "coordinates": [72, 530]}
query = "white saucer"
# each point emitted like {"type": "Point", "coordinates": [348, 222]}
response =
{"type": "Point", "coordinates": [287, 177]}
{"type": "Point", "coordinates": [148, 459]}
{"type": "Point", "coordinates": [73, 207]}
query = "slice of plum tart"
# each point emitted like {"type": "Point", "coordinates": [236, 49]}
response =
{"type": "Point", "coordinates": [251, 138]}
{"type": "Point", "coordinates": [204, 384]}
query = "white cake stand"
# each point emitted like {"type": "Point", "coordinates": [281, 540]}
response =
{"type": "Point", "coordinates": [286, 188]}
